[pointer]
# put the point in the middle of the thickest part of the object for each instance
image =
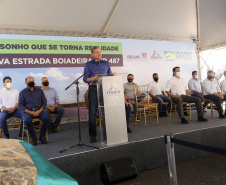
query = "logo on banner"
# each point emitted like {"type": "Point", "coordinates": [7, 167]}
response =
{"type": "Point", "coordinates": [133, 56]}
{"type": "Point", "coordinates": [156, 55]}
{"type": "Point", "coordinates": [169, 56]}
{"type": "Point", "coordinates": [180, 55]}
{"type": "Point", "coordinates": [144, 54]}
{"type": "Point", "coordinates": [113, 90]}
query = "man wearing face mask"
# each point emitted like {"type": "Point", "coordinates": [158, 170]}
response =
{"type": "Point", "coordinates": [9, 105]}
{"type": "Point", "coordinates": [32, 102]}
{"type": "Point", "coordinates": [178, 90]}
{"type": "Point", "coordinates": [212, 91]}
{"type": "Point", "coordinates": [129, 93]}
{"type": "Point", "coordinates": [52, 103]}
{"type": "Point", "coordinates": [194, 85]}
{"type": "Point", "coordinates": [223, 87]}
{"type": "Point", "coordinates": [158, 95]}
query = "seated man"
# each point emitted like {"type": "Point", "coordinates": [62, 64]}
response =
{"type": "Point", "coordinates": [32, 102]}
{"type": "Point", "coordinates": [155, 91]}
{"type": "Point", "coordinates": [223, 87]}
{"type": "Point", "coordinates": [194, 85]}
{"type": "Point", "coordinates": [177, 89]}
{"type": "Point", "coordinates": [128, 107]}
{"type": "Point", "coordinates": [52, 103]}
{"type": "Point", "coordinates": [129, 91]}
{"type": "Point", "coordinates": [212, 91]}
{"type": "Point", "coordinates": [9, 105]}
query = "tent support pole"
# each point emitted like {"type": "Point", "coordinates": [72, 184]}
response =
{"type": "Point", "coordinates": [197, 42]}
{"type": "Point", "coordinates": [111, 16]}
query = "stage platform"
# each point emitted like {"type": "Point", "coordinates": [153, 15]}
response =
{"type": "Point", "coordinates": [146, 145]}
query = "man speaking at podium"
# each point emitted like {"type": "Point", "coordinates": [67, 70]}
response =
{"type": "Point", "coordinates": [94, 67]}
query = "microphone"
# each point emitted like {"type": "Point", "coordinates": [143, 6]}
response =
{"type": "Point", "coordinates": [97, 61]}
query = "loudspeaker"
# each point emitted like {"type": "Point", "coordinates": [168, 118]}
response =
{"type": "Point", "coordinates": [118, 170]}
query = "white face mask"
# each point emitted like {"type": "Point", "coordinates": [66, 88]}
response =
{"type": "Point", "coordinates": [196, 76]}
{"type": "Point", "coordinates": [178, 74]}
{"type": "Point", "coordinates": [9, 85]}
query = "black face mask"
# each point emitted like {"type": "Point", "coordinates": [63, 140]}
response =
{"type": "Point", "coordinates": [130, 80]}
{"type": "Point", "coordinates": [156, 79]}
{"type": "Point", "coordinates": [45, 83]}
{"type": "Point", "coordinates": [209, 77]}
{"type": "Point", "coordinates": [31, 84]}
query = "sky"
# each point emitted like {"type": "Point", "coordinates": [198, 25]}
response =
{"type": "Point", "coordinates": [215, 59]}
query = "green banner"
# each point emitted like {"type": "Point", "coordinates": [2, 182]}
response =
{"type": "Point", "coordinates": [14, 46]}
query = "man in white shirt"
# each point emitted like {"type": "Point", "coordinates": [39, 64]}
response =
{"type": "Point", "coordinates": [158, 95]}
{"type": "Point", "coordinates": [178, 90]}
{"type": "Point", "coordinates": [9, 105]}
{"type": "Point", "coordinates": [212, 91]}
{"type": "Point", "coordinates": [223, 87]}
{"type": "Point", "coordinates": [194, 85]}
{"type": "Point", "coordinates": [223, 84]}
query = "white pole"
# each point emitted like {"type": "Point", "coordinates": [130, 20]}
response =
{"type": "Point", "coordinates": [111, 16]}
{"type": "Point", "coordinates": [197, 42]}
{"type": "Point", "coordinates": [171, 159]}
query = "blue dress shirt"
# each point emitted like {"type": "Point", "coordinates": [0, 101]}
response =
{"type": "Point", "coordinates": [102, 68]}
{"type": "Point", "coordinates": [31, 99]}
{"type": "Point", "coordinates": [51, 96]}
{"type": "Point", "coordinates": [193, 85]}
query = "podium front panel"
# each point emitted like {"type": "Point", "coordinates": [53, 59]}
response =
{"type": "Point", "coordinates": [114, 129]}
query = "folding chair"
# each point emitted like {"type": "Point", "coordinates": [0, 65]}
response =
{"type": "Point", "coordinates": [13, 123]}
{"type": "Point", "coordinates": [37, 127]}
{"type": "Point", "coordinates": [145, 106]}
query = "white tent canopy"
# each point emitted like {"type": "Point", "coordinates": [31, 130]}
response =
{"type": "Point", "coordinates": [174, 20]}
{"type": "Point", "coordinates": [212, 24]}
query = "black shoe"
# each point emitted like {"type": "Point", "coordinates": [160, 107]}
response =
{"type": "Point", "coordinates": [43, 140]}
{"type": "Point", "coordinates": [92, 140]}
{"type": "Point", "coordinates": [202, 119]}
{"type": "Point", "coordinates": [164, 113]}
{"type": "Point", "coordinates": [34, 141]}
{"type": "Point", "coordinates": [20, 135]}
{"type": "Point", "coordinates": [184, 121]}
{"type": "Point", "coordinates": [161, 114]}
{"type": "Point", "coordinates": [129, 130]}
{"type": "Point", "coordinates": [186, 114]}
{"type": "Point", "coordinates": [221, 116]}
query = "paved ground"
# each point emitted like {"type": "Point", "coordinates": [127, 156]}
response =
{"type": "Point", "coordinates": [208, 170]}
